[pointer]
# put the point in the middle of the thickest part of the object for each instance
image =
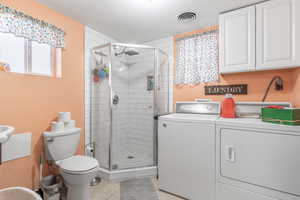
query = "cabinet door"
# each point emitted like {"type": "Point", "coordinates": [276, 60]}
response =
{"type": "Point", "coordinates": [278, 34]}
{"type": "Point", "coordinates": [186, 159]}
{"type": "Point", "coordinates": [237, 41]}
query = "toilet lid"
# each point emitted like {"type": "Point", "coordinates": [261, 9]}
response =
{"type": "Point", "coordinates": [78, 163]}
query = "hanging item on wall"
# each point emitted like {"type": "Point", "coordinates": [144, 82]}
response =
{"type": "Point", "coordinates": [241, 89]}
{"type": "Point", "coordinates": [4, 67]}
{"type": "Point", "coordinates": [96, 78]}
{"type": "Point", "coordinates": [100, 73]}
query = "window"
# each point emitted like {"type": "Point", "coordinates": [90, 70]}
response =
{"type": "Point", "coordinates": [41, 58]}
{"type": "Point", "coordinates": [197, 59]}
{"type": "Point", "coordinates": [25, 56]}
{"type": "Point", "coordinates": [12, 52]}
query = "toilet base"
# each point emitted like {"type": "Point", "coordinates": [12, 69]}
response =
{"type": "Point", "coordinates": [78, 183]}
{"type": "Point", "coordinates": [78, 192]}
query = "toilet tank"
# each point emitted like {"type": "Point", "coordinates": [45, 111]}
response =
{"type": "Point", "coordinates": [61, 145]}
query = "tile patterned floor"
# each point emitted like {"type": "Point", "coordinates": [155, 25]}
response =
{"type": "Point", "coordinates": [111, 191]}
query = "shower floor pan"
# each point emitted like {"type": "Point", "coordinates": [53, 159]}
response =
{"type": "Point", "coordinates": [133, 160]}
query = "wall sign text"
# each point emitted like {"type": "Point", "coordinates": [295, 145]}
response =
{"type": "Point", "coordinates": [226, 89]}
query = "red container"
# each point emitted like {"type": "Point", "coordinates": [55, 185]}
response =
{"type": "Point", "coordinates": [228, 107]}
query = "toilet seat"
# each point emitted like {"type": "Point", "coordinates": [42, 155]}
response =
{"type": "Point", "coordinates": [78, 164]}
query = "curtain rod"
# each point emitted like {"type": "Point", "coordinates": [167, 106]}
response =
{"type": "Point", "coordinates": [195, 35]}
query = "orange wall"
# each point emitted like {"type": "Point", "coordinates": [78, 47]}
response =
{"type": "Point", "coordinates": [296, 90]}
{"type": "Point", "coordinates": [257, 83]}
{"type": "Point", "coordinates": [30, 103]}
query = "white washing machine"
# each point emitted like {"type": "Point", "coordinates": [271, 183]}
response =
{"type": "Point", "coordinates": [186, 150]}
{"type": "Point", "coordinates": [257, 160]}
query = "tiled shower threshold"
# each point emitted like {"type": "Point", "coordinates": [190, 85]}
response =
{"type": "Point", "coordinates": [122, 175]}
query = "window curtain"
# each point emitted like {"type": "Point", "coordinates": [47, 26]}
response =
{"type": "Point", "coordinates": [197, 59]}
{"type": "Point", "coordinates": [22, 25]}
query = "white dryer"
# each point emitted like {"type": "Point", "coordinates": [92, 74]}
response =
{"type": "Point", "coordinates": [186, 150]}
{"type": "Point", "coordinates": [257, 160]}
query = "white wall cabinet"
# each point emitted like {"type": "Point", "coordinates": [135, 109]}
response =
{"type": "Point", "coordinates": [237, 41]}
{"type": "Point", "coordinates": [278, 34]}
{"type": "Point", "coordinates": [269, 40]}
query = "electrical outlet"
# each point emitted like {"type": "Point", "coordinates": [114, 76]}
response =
{"type": "Point", "coordinates": [279, 85]}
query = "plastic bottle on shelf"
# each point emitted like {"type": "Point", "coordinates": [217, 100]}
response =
{"type": "Point", "coordinates": [228, 107]}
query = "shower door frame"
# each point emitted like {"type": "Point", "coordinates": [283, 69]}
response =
{"type": "Point", "coordinates": [155, 110]}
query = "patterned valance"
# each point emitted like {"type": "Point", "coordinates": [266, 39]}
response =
{"type": "Point", "coordinates": [22, 25]}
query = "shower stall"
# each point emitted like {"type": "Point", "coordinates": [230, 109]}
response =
{"type": "Point", "coordinates": [129, 90]}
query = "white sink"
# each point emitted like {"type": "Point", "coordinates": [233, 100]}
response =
{"type": "Point", "coordinates": [5, 133]}
{"type": "Point", "coordinates": [18, 193]}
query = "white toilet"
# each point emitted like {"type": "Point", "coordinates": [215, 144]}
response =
{"type": "Point", "coordinates": [77, 171]}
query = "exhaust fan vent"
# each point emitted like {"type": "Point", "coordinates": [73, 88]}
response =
{"type": "Point", "coordinates": [187, 17]}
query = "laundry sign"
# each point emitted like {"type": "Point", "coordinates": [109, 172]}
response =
{"type": "Point", "coordinates": [226, 89]}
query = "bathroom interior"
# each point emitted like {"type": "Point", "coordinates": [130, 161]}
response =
{"type": "Point", "coordinates": [149, 100]}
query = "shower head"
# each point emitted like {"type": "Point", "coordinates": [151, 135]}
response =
{"type": "Point", "coordinates": [128, 52]}
{"type": "Point", "coordinates": [131, 53]}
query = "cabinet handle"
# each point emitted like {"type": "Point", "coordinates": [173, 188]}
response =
{"type": "Point", "coordinates": [231, 154]}
{"type": "Point", "coordinates": [164, 125]}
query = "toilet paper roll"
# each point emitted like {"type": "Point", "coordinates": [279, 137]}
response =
{"type": "Point", "coordinates": [70, 124]}
{"type": "Point", "coordinates": [57, 126]}
{"type": "Point", "coordinates": [64, 116]}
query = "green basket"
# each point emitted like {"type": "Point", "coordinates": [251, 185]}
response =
{"type": "Point", "coordinates": [288, 116]}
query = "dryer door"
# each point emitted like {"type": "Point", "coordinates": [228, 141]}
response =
{"type": "Point", "coordinates": [264, 159]}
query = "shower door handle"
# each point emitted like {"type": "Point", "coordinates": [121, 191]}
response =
{"type": "Point", "coordinates": [116, 99]}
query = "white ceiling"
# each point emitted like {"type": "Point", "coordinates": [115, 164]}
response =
{"type": "Point", "coordinates": [137, 21]}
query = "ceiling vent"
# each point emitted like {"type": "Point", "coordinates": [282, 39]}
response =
{"type": "Point", "coordinates": [187, 17]}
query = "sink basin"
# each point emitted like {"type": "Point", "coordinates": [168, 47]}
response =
{"type": "Point", "coordinates": [18, 193]}
{"type": "Point", "coordinates": [5, 133]}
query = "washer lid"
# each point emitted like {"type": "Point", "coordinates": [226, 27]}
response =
{"type": "Point", "coordinates": [78, 163]}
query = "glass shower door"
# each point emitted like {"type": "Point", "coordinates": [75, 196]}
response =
{"type": "Point", "coordinates": [100, 112]}
{"type": "Point", "coordinates": [132, 82]}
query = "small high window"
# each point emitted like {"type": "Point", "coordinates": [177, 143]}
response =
{"type": "Point", "coordinates": [41, 58]}
{"type": "Point", "coordinates": [12, 52]}
{"type": "Point", "coordinates": [29, 57]}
